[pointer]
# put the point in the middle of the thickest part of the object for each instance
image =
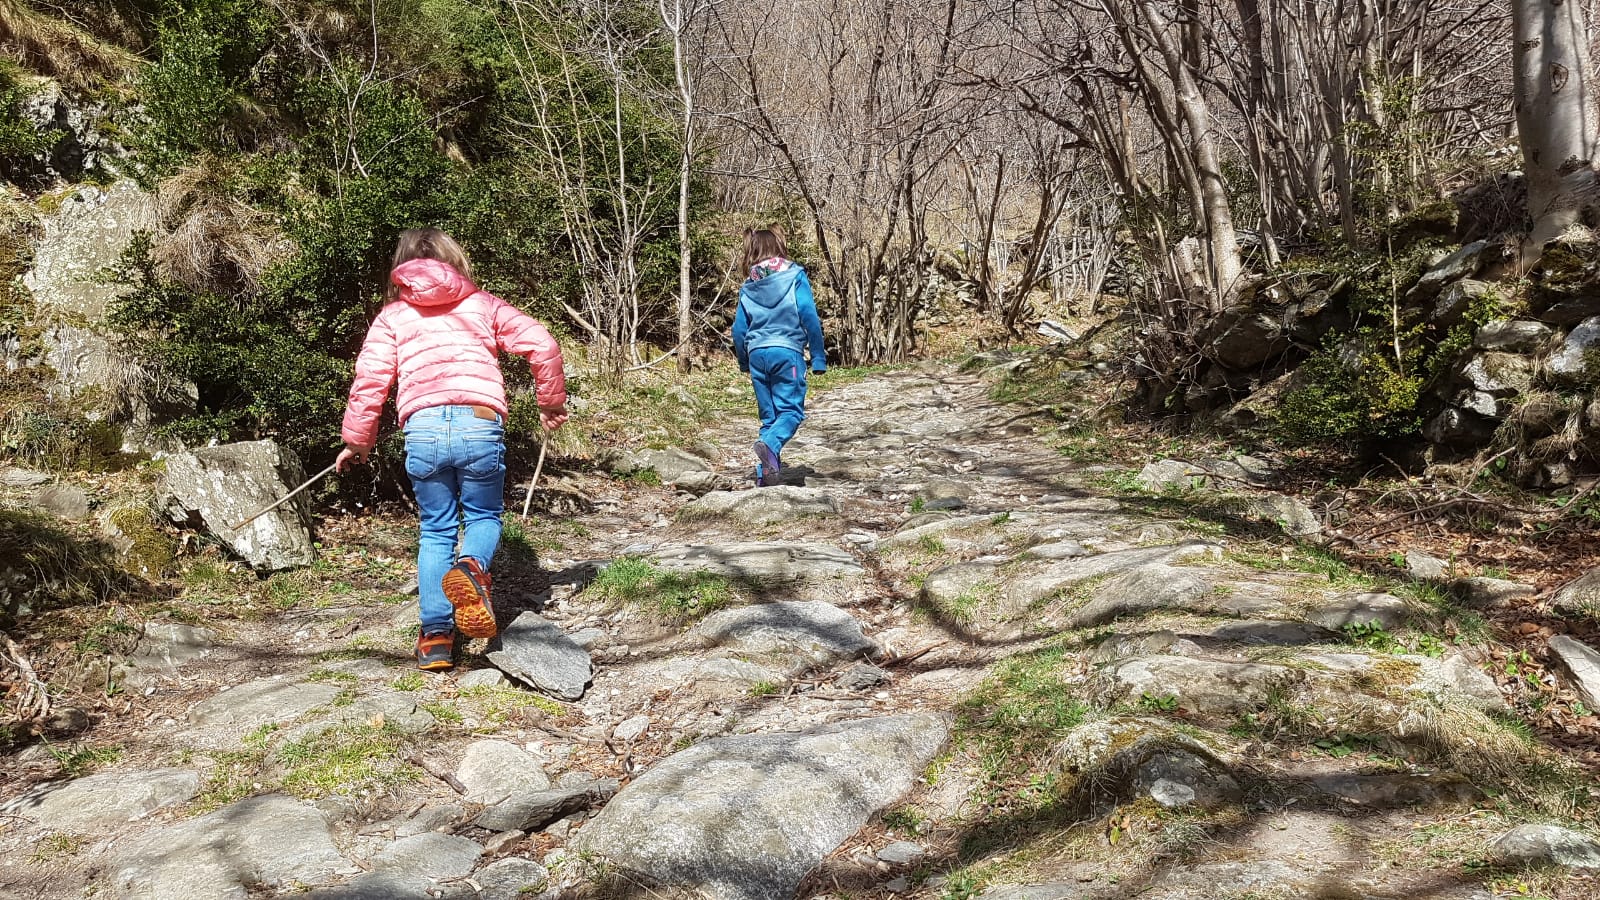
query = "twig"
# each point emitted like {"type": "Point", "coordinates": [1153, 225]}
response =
{"type": "Point", "coordinates": [544, 445]}
{"type": "Point", "coordinates": [902, 660]}
{"type": "Point", "coordinates": [433, 769]}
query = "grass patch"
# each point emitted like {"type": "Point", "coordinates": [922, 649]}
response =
{"type": "Point", "coordinates": [49, 567]}
{"type": "Point", "coordinates": [344, 761]}
{"type": "Point", "coordinates": [78, 761]}
{"type": "Point", "coordinates": [499, 706]}
{"type": "Point", "coordinates": [1019, 712]}
{"type": "Point", "coordinates": [58, 845]}
{"type": "Point", "coordinates": [674, 596]}
{"type": "Point", "coordinates": [409, 682]}
{"type": "Point", "coordinates": [238, 773]}
{"type": "Point", "coordinates": [763, 689]}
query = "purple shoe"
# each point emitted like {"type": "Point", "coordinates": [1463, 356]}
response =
{"type": "Point", "coordinates": [767, 466]}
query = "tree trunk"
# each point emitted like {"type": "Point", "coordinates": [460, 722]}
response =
{"type": "Point", "coordinates": [1556, 118]}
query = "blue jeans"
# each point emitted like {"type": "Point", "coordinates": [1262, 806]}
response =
{"type": "Point", "coordinates": [778, 375]}
{"type": "Point", "coordinates": [457, 464]}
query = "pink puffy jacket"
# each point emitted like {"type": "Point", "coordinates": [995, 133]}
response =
{"type": "Point", "coordinates": [442, 339]}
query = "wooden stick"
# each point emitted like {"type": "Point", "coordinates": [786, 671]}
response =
{"type": "Point", "coordinates": [285, 498]}
{"type": "Point", "coordinates": [544, 444]}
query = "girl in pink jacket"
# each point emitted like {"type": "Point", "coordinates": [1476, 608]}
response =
{"type": "Point", "coordinates": [439, 337]}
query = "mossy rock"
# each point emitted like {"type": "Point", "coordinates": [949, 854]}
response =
{"type": "Point", "coordinates": [146, 550]}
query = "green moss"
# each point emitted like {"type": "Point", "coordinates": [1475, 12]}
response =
{"type": "Point", "coordinates": [152, 552]}
{"type": "Point", "coordinates": [674, 596]}
{"type": "Point", "coordinates": [345, 761]}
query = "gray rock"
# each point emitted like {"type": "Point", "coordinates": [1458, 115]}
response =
{"type": "Point", "coordinates": [1499, 374]}
{"type": "Point", "coordinates": [1572, 361]}
{"type": "Point", "coordinates": [819, 631]}
{"type": "Point", "coordinates": [430, 855]}
{"type": "Point", "coordinates": [432, 817]}
{"type": "Point", "coordinates": [846, 467]}
{"type": "Point", "coordinates": [590, 638]}
{"type": "Point", "coordinates": [1359, 609]}
{"type": "Point", "coordinates": [902, 853]}
{"type": "Point", "coordinates": [1582, 664]}
{"type": "Point", "coordinates": [263, 701]}
{"type": "Point", "coordinates": [1242, 338]}
{"type": "Point", "coordinates": [219, 487]}
{"type": "Point", "coordinates": [379, 886]}
{"type": "Point", "coordinates": [87, 233]}
{"type": "Point", "coordinates": [511, 879]}
{"type": "Point", "coordinates": [766, 506]}
{"type": "Point", "coordinates": [746, 817]}
{"type": "Point", "coordinates": [1579, 597]}
{"type": "Point", "coordinates": [1123, 758]}
{"type": "Point", "coordinates": [672, 465]}
{"type": "Point", "coordinates": [761, 562]}
{"type": "Point", "coordinates": [1288, 513]}
{"type": "Point", "coordinates": [168, 646]}
{"type": "Point", "coordinates": [1173, 475]}
{"type": "Point", "coordinates": [1460, 680]}
{"type": "Point", "coordinates": [1059, 550]}
{"type": "Point", "coordinates": [1198, 686]}
{"type": "Point", "coordinates": [1489, 593]}
{"type": "Point", "coordinates": [493, 770]}
{"type": "Point", "coordinates": [532, 810]}
{"type": "Point", "coordinates": [1535, 845]}
{"type": "Point", "coordinates": [1424, 567]}
{"type": "Point", "coordinates": [1140, 591]}
{"type": "Point", "coordinates": [15, 476]}
{"type": "Point", "coordinates": [1061, 575]}
{"type": "Point", "coordinates": [861, 676]}
{"type": "Point", "coordinates": [631, 729]}
{"type": "Point", "coordinates": [1454, 426]}
{"type": "Point", "coordinates": [482, 678]}
{"type": "Point", "coordinates": [399, 711]}
{"type": "Point", "coordinates": [1272, 632]}
{"type": "Point", "coordinates": [104, 802]}
{"type": "Point", "coordinates": [1463, 263]}
{"type": "Point", "coordinates": [1454, 301]}
{"type": "Point", "coordinates": [537, 653]}
{"type": "Point", "coordinates": [1512, 336]}
{"type": "Point", "coordinates": [1398, 791]}
{"type": "Point", "coordinates": [63, 500]}
{"type": "Point", "coordinates": [263, 842]}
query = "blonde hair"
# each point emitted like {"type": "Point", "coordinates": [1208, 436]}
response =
{"type": "Point", "coordinates": [427, 243]}
{"type": "Point", "coordinates": [763, 243]}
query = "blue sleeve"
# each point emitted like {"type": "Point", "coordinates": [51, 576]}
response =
{"type": "Point", "coordinates": [812, 322]}
{"type": "Point", "coordinates": [739, 327]}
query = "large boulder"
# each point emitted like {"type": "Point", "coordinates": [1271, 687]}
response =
{"type": "Point", "coordinates": [767, 506]}
{"type": "Point", "coordinates": [1512, 336]}
{"type": "Point", "coordinates": [1243, 338]}
{"type": "Point", "coordinates": [746, 817]}
{"type": "Point", "coordinates": [81, 142]}
{"type": "Point", "coordinates": [1577, 360]}
{"type": "Point", "coordinates": [88, 233]}
{"type": "Point", "coordinates": [1463, 263]}
{"type": "Point", "coordinates": [217, 488]}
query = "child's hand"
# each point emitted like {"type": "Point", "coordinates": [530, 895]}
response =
{"type": "Point", "coordinates": [553, 418]}
{"type": "Point", "coordinates": [359, 454]}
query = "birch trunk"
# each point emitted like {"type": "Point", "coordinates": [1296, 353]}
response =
{"type": "Point", "coordinates": [1556, 119]}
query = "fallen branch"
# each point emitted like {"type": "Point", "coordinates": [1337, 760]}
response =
{"type": "Point", "coordinates": [436, 771]}
{"type": "Point", "coordinates": [33, 701]}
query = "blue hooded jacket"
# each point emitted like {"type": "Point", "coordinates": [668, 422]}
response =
{"type": "Point", "coordinates": [778, 311]}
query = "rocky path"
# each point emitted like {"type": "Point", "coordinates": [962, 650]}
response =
{"type": "Point", "coordinates": [941, 661]}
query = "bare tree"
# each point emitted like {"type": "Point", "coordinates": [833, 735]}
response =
{"type": "Point", "coordinates": [1556, 116]}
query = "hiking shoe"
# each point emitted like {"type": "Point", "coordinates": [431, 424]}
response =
{"type": "Point", "coordinates": [466, 586]}
{"type": "Point", "coordinates": [436, 649]}
{"type": "Point", "coordinates": [767, 466]}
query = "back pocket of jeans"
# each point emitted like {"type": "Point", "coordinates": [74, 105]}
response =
{"type": "Point", "coordinates": [485, 456]}
{"type": "Point", "coordinates": [422, 457]}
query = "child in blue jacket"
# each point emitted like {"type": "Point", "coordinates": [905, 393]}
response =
{"type": "Point", "coordinates": [775, 324]}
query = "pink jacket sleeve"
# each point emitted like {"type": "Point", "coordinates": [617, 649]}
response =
{"type": "Point", "coordinates": [520, 334]}
{"type": "Point", "coordinates": [375, 373]}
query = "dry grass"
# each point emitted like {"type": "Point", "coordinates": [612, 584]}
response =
{"type": "Point", "coordinates": [211, 241]}
{"type": "Point", "coordinates": [61, 50]}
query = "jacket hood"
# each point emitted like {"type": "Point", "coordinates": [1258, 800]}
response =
{"type": "Point", "coordinates": [771, 290]}
{"type": "Point", "coordinates": [430, 282]}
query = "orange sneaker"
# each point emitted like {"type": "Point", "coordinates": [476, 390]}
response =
{"type": "Point", "coordinates": [466, 586]}
{"type": "Point", "coordinates": [436, 650]}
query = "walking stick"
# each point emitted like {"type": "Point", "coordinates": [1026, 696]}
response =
{"type": "Point", "coordinates": [544, 444]}
{"type": "Point", "coordinates": [285, 498]}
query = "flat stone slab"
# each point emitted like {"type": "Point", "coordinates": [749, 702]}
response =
{"type": "Point", "coordinates": [817, 630]}
{"type": "Point", "coordinates": [513, 878]}
{"type": "Point", "coordinates": [1060, 575]}
{"type": "Point", "coordinates": [396, 710]}
{"type": "Point", "coordinates": [1582, 663]}
{"type": "Point", "coordinates": [493, 770]}
{"type": "Point", "coordinates": [746, 817]}
{"type": "Point", "coordinates": [539, 654]}
{"type": "Point", "coordinates": [267, 841]}
{"type": "Point", "coordinates": [1142, 590]}
{"type": "Point", "coordinates": [168, 646]}
{"type": "Point", "coordinates": [98, 803]}
{"type": "Point", "coordinates": [1398, 791]}
{"type": "Point", "coordinates": [532, 810]}
{"type": "Point", "coordinates": [430, 855]}
{"type": "Point", "coordinates": [1359, 609]}
{"type": "Point", "coordinates": [379, 886]}
{"type": "Point", "coordinates": [1199, 686]}
{"type": "Point", "coordinates": [761, 562]}
{"type": "Point", "coordinates": [1548, 845]}
{"type": "Point", "coordinates": [762, 506]}
{"type": "Point", "coordinates": [263, 701]}
{"type": "Point", "coordinates": [1272, 632]}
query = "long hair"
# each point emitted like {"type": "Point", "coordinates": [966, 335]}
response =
{"type": "Point", "coordinates": [427, 243]}
{"type": "Point", "coordinates": [763, 243]}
